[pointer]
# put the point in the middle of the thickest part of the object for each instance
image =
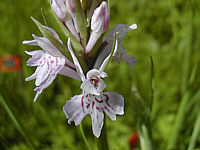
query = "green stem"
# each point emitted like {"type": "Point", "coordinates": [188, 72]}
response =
{"type": "Point", "coordinates": [195, 133]}
{"type": "Point", "coordinates": [102, 142]}
{"type": "Point", "coordinates": [16, 123]}
{"type": "Point", "coordinates": [84, 138]}
{"type": "Point", "coordinates": [178, 121]}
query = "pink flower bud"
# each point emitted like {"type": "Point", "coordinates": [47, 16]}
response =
{"type": "Point", "coordinates": [61, 11]}
{"type": "Point", "coordinates": [71, 8]}
{"type": "Point", "coordinates": [101, 18]}
{"type": "Point", "coordinates": [58, 6]}
{"type": "Point", "coordinates": [99, 24]}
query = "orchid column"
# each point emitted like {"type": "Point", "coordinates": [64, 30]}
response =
{"type": "Point", "coordinates": [84, 58]}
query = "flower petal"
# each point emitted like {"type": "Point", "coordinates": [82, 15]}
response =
{"type": "Point", "coordinates": [129, 59]}
{"type": "Point", "coordinates": [97, 121]}
{"type": "Point", "coordinates": [103, 65]}
{"type": "Point", "coordinates": [70, 73]}
{"type": "Point", "coordinates": [53, 32]}
{"type": "Point", "coordinates": [115, 102]}
{"type": "Point", "coordinates": [45, 44]}
{"type": "Point", "coordinates": [36, 58]}
{"type": "Point", "coordinates": [73, 110]}
{"type": "Point", "coordinates": [76, 63]}
{"type": "Point", "coordinates": [99, 24]}
{"type": "Point", "coordinates": [30, 42]}
{"type": "Point", "coordinates": [88, 87]}
{"type": "Point", "coordinates": [58, 6]}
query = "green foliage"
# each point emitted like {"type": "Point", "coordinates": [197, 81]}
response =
{"type": "Point", "coordinates": [167, 30]}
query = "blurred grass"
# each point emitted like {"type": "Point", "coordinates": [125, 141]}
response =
{"type": "Point", "coordinates": [167, 30]}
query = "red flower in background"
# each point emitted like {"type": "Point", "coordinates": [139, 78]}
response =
{"type": "Point", "coordinates": [10, 63]}
{"type": "Point", "coordinates": [133, 141]}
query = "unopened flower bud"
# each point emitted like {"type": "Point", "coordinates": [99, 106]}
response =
{"type": "Point", "coordinates": [99, 24]}
{"type": "Point", "coordinates": [71, 8]}
{"type": "Point", "coordinates": [60, 9]}
{"type": "Point", "coordinates": [58, 6]}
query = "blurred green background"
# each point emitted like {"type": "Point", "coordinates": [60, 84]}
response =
{"type": "Point", "coordinates": [169, 31]}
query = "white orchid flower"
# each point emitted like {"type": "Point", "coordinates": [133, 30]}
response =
{"type": "Point", "coordinates": [93, 100]}
{"type": "Point", "coordinates": [121, 30]}
{"type": "Point", "coordinates": [49, 62]}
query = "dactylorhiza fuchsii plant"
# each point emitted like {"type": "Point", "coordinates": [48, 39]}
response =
{"type": "Point", "coordinates": [84, 58]}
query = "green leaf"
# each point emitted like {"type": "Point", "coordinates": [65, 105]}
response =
{"type": "Point", "coordinates": [86, 4]}
{"type": "Point", "coordinates": [15, 122]}
{"type": "Point", "coordinates": [81, 19]}
{"type": "Point", "coordinates": [63, 49]}
{"type": "Point", "coordinates": [195, 133]}
{"type": "Point", "coordinates": [152, 83]}
{"type": "Point", "coordinates": [77, 46]}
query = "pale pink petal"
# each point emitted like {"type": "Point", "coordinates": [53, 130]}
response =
{"type": "Point", "coordinates": [30, 42]}
{"type": "Point", "coordinates": [73, 110]}
{"type": "Point", "coordinates": [71, 8]}
{"type": "Point", "coordinates": [36, 58]}
{"type": "Point", "coordinates": [97, 121]}
{"type": "Point", "coordinates": [45, 44]}
{"type": "Point", "coordinates": [101, 18]}
{"type": "Point", "coordinates": [53, 32]}
{"type": "Point", "coordinates": [129, 59]}
{"type": "Point", "coordinates": [66, 71]}
{"type": "Point", "coordinates": [93, 39]}
{"type": "Point", "coordinates": [102, 67]}
{"type": "Point", "coordinates": [70, 25]}
{"type": "Point", "coordinates": [58, 6]}
{"type": "Point", "coordinates": [88, 87]}
{"type": "Point", "coordinates": [99, 24]}
{"type": "Point", "coordinates": [115, 102]}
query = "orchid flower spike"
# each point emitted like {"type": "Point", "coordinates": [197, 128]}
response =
{"type": "Point", "coordinates": [93, 100]}
{"type": "Point", "coordinates": [99, 24]}
{"type": "Point", "coordinates": [122, 30]}
{"type": "Point", "coordinates": [63, 13]}
{"type": "Point", "coordinates": [49, 62]}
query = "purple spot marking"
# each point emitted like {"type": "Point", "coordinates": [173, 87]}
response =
{"type": "Point", "coordinates": [88, 105]}
{"type": "Point", "coordinates": [99, 101]}
{"type": "Point", "coordinates": [98, 108]}
{"type": "Point", "coordinates": [52, 61]}
{"type": "Point", "coordinates": [106, 108]}
{"type": "Point", "coordinates": [93, 104]}
{"type": "Point", "coordinates": [56, 61]}
{"type": "Point", "coordinates": [82, 104]}
{"type": "Point", "coordinates": [87, 96]}
{"type": "Point", "coordinates": [107, 98]}
{"type": "Point", "coordinates": [48, 65]}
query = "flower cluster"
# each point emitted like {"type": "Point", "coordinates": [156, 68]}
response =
{"type": "Point", "coordinates": [85, 25]}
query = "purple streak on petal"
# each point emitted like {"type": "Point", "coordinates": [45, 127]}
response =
{"type": "Point", "coordinates": [88, 105]}
{"type": "Point", "coordinates": [99, 101]}
{"type": "Point", "coordinates": [82, 103]}
{"type": "Point", "coordinates": [93, 104]}
{"type": "Point", "coordinates": [107, 99]}
{"type": "Point", "coordinates": [99, 109]}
